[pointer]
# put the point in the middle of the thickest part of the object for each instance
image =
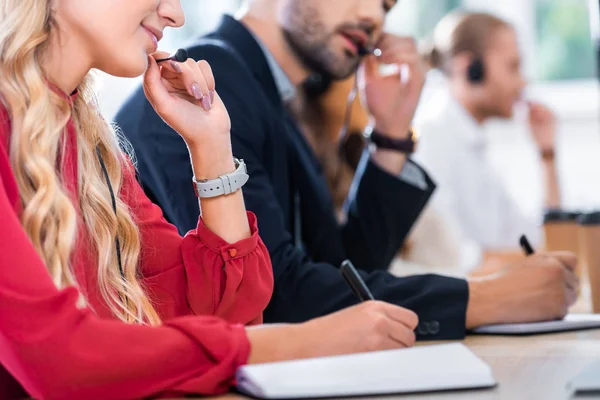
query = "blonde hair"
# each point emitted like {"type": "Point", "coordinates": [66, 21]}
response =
{"type": "Point", "coordinates": [39, 119]}
{"type": "Point", "coordinates": [461, 32]}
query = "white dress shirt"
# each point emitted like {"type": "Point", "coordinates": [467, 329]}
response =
{"type": "Point", "coordinates": [470, 195]}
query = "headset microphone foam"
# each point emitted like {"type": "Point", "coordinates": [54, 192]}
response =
{"type": "Point", "coordinates": [180, 56]}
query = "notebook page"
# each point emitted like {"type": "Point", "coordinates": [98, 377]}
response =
{"type": "Point", "coordinates": [419, 369]}
{"type": "Point", "coordinates": [588, 381]}
{"type": "Point", "coordinates": [569, 323]}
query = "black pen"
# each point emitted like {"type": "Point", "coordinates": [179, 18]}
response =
{"type": "Point", "coordinates": [355, 282]}
{"type": "Point", "coordinates": [526, 246]}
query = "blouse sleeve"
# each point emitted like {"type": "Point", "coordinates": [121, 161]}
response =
{"type": "Point", "coordinates": [56, 350]}
{"type": "Point", "coordinates": [199, 274]}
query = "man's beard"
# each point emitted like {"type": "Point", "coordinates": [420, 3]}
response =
{"type": "Point", "coordinates": [318, 58]}
{"type": "Point", "coordinates": [309, 40]}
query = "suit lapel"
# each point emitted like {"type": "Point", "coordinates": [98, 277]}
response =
{"type": "Point", "coordinates": [312, 205]}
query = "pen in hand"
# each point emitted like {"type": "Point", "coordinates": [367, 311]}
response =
{"type": "Point", "coordinates": [355, 282]}
{"type": "Point", "coordinates": [526, 246]}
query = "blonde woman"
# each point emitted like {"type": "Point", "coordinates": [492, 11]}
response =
{"type": "Point", "coordinates": [99, 296]}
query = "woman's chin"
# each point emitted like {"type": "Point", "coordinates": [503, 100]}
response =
{"type": "Point", "coordinates": [132, 69]}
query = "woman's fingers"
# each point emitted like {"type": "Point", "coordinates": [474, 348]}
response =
{"type": "Point", "coordinates": [402, 336]}
{"type": "Point", "coordinates": [189, 78]}
{"type": "Point", "coordinates": [154, 89]}
{"type": "Point", "coordinates": [193, 79]}
{"type": "Point", "coordinates": [402, 315]}
{"type": "Point", "coordinates": [209, 77]}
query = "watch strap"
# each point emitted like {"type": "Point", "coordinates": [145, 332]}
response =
{"type": "Point", "coordinates": [381, 141]}
{"type": "Point", "coordinates": [223, 185]}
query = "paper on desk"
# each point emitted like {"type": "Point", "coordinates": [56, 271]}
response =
{"type": "Point", "coordinates": [571, 322]}
{"type": "Point", "coordinates": [419, 369]}
{"type": "Point", "coordinates": [588, 381]}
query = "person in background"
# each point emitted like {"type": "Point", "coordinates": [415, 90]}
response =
{"type": "Point", "coordinates": [258, 62]}
{"type": "Point", "coordinates": [100, 297]}
{"type": "Point", "coordinates": [479, 54]}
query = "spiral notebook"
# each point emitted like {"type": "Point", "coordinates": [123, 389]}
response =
{"type": "Point", "coordinates": [414, 370]}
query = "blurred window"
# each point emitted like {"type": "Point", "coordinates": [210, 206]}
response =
{"type": "Point", "coordinates": [564, 42]}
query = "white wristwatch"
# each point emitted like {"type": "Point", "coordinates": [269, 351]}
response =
{"type": "Point", "coordinates": [223, 185]}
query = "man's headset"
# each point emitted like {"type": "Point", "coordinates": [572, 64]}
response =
{"type": "Point", "coordinates": [476, 71]}
{"type": "Point", "coordinates": [316, 85]}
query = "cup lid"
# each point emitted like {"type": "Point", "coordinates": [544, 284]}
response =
{"type": "Point", "coordinates": [591, 218]}
{"type": "Point", "coordinates": [557, 215]}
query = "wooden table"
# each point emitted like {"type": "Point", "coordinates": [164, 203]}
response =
{"type": "Point", "coordinates": [535, 367]}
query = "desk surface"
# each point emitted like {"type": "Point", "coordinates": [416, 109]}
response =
{"type": "Point", "coordinates": [534, 367]}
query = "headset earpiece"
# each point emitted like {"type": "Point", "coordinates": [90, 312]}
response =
{"type": "Point", "coordinates": [476, 71]}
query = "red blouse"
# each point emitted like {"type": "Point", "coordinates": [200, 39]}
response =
{"type": "Point", "coordinates": [203, 288]}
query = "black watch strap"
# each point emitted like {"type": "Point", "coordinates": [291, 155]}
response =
{"type": "Point", "coordinates": [382, 141]}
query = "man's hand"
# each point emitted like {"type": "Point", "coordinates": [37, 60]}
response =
{"type": "Point", "coordinates": [391, 100]}
{"type": "Point", "coordinates": [538, 288]}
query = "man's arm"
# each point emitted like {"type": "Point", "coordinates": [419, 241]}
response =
{"type": "Point", "coordinates": [381, 210]}
{"type": "Point", "coordinates": [384, 204]}
{"type": "Point", "coordinates": [305, 289]}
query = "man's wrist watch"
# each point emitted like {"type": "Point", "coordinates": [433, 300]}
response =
{"type": "Point", "coordinates": [382, 141]}
{"type": "Point", "coordinates": [223, 185]}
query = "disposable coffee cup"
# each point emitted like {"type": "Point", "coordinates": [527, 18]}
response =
{"type": "Point", "coordinates": [589, 236]}
{"type": "Point", "coordinates": [561, 232]}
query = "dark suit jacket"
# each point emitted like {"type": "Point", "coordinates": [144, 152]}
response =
{"type": "Point", "coordinates": [289, 194]}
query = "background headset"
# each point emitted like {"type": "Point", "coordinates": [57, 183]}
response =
{"type": "Point", "coordinates": [476, 71]}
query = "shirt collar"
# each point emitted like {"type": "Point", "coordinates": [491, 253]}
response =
{"type": "Point", "coordinates": [285, 87]}
{"type": "Point", "coordinates": [469, 130]}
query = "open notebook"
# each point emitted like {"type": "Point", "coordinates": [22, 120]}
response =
{"type": "Point", "coordinates": [571, 322]}
{"type": "Point", "coordinates": [419, 369]}
{"type": "Point", "coordinates": [587, 382]}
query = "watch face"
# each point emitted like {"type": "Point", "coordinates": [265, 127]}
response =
{"type": "Point", "coordinates": [414, 136]}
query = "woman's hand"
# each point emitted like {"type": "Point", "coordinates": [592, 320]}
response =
{"type": "Point", "coordinates": [369, 326]}
{"type": "Point", "coordinates": [184, 95]}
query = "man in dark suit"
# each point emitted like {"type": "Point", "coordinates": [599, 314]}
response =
{"type": "Point", "coordinates": [257, 62]}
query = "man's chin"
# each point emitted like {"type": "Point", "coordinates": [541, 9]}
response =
{"type": "Point", "coordinates": [506, 113]}
{"type": "Point", "coordinates": [341, 74]}
{"type": "Point", "coordinates": [509, 114]}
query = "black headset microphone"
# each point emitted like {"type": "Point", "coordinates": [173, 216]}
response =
{"type": "Point", "coordinates": [180, 56]}
{"type": "Point", "coordinates": [363, 51]}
